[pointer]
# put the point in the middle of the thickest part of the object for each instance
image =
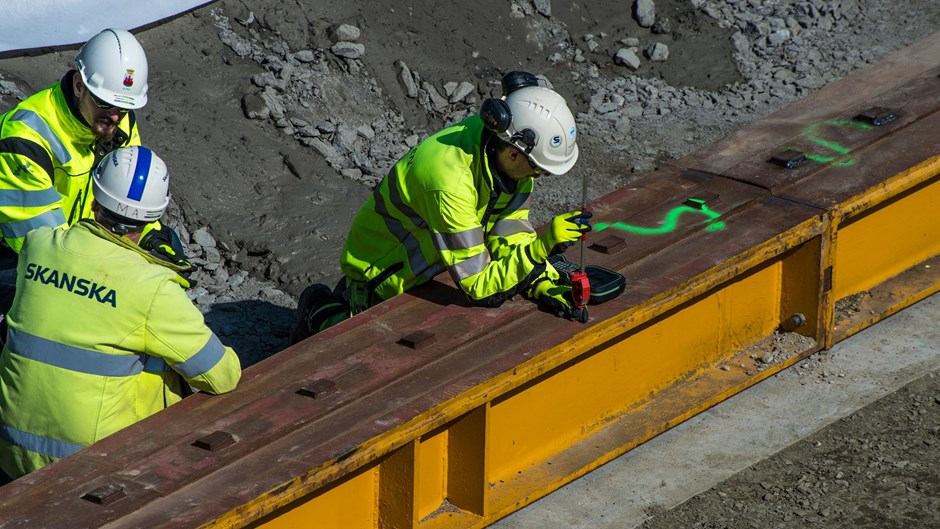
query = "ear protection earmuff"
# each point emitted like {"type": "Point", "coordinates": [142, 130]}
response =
{"type": "Point", "coordinates": [515, 80]}
{"type": "Point", "coordinates": [497, 116]}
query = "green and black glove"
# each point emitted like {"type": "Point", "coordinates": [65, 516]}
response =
{"type": "Point", "coordinates": [556, 299]}
{"type": "Point", "coordinates": [562, 232]}
{"type": "Point", "coordinates": [163, 243]}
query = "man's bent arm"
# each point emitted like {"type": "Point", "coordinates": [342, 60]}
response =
{"type": "Point", "coordinates": [176, 332]}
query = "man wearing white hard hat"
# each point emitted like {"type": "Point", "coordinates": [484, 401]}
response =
{"type": "Point", "coordinates": [102, 334]}
{"type": "Point", "coordinates": [50, 142]}
{"type": "Point", "coordinates": [459, 201]}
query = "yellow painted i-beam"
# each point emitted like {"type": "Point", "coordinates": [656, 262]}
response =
{"type": "Point", "coordinates": [609, 390]}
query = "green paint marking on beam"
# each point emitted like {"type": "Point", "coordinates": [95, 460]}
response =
{"type": "Point", "coordinates": [831, 145]}
{"type": "Point", "coordinates": [820, 159]}
{"type": "Point", "coordinates": [670, 222]}
{"type": "Point", "coordinates": [695, 205]}
{"type": "Point", "coordinates": [851, 123]}
{"type": "Point", "coordinates": [811, 134]}
{"type": "Point", "coordinates": [826, 159]}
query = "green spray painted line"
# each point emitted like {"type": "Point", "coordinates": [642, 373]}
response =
{"type": "Point", "coordinates": [833, 146]}
{"type": "Point", "coordinates": [827, 159]}
{"type": "Point", "coordinates": [851, 123]}
{"type": "Point", "coordinates": [820, 159]}
{"type": "Point", "coordinates": [670, 222]}
{"type": "Point", "coordinates": [810, 134]}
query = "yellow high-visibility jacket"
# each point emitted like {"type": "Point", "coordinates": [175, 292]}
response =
{"type": "Point", "coordinates": [100, 336]}
{"type": "Point", "coordinates": [47, 153]}
{"type": "Point", "coordinates": [442, 208]}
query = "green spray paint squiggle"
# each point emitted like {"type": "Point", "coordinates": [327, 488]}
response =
{"type": "Point", "coordinates": [810, 134]}
{"type": "Point", "coordinates": [669, 223]}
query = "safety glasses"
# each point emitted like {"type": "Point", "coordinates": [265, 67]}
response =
{"type": "Point", "coordinates": [538, 170]}
{"type": "Point", "coordinates": [104, 105]}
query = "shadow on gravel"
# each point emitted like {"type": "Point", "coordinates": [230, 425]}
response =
{"type": "Point", "coordinates": [255, 329]}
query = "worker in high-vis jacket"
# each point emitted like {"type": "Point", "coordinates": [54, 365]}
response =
{"type": "Point", "coordinates": [51, 141]}
{"type": "Point", "coordinates": [101, 332]}
{"type": "Point", "coordinates": [459, 201]}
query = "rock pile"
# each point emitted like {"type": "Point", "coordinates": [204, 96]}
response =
{"type": "Point", "coordinates": [297, 86]}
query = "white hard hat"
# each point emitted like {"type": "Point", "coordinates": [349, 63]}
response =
{"type": "Point", "coordinates": [543, 127]}
{"type": "Point", "coordinates": [113, 66]}
{"type": "Point", "coordinates": [132, 183]}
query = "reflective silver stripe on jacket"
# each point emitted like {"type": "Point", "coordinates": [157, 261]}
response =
{"type": "Point", "coordinates": [458, 241]}
{"type": "Point", "coordinates": [35, 122]}
{"type": "Point", "coordinates": [15, 230]}
{"type": "Point", "coordinates": [154, 364]}
{"type": "Point", "coordinates": [416, 259]}
{"type": "Point", "coordinates": [29, 199]}
{"type": "Point", "coordinates": [470, 267]}
{"type": "Point", "coordinates": [73, 358]}
{"type": "Point", "coordinates": [518, 202]}
{"type": "Point", "coordinates": [507, 227]}
{"type": "Point", "coordinates": [37, 443]}
{"type": "Point", "coordinates": [204, 360]}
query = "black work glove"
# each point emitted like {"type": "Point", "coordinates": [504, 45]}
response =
{"type": "Point", "coordinates": [556, 299]}
{"type": "Point", "coordinates": [164, 244]}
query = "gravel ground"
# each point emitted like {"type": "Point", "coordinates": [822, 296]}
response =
{"type": "Point", "coordinates": [876, 468]}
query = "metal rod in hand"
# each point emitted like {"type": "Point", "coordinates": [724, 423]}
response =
{"type": "Point", "coordinates": [583, 205]}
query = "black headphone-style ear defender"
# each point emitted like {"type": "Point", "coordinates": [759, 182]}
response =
{"type": "Point", "coordinates": [495, 112]}
{"type": "Point", "coordinates": [496, 115]}
{"type": "Point", "coordinates": [515, 80]}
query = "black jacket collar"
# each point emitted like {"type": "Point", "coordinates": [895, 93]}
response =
{"type": "Point", "coordinates": [70, 99]}
{"type": "Point", "coordinates": [501, 182]}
